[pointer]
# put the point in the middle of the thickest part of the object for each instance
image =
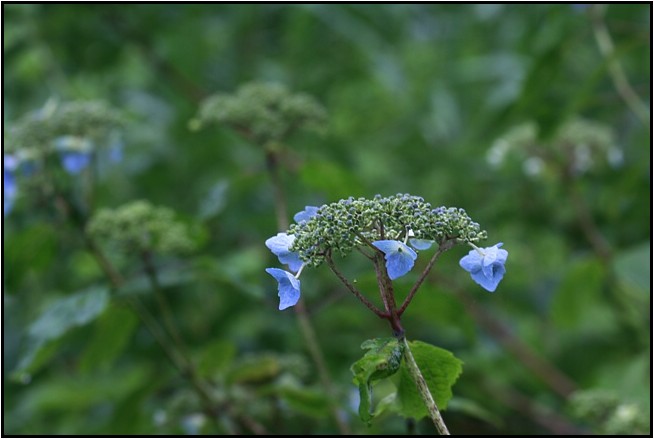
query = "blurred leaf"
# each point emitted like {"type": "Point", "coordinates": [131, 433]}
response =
{"type": "Point", "coordinates": [29, 250]}
{"type": "Point", "coordinates": [382, 359]}
{"type": "Point", "coordinates": [474, 409]}
{"type": "Point", "coordinates": [214, 201]}
{"type": "Point", "coordinates": [112, 334]}
{"type": "Point", "coordinates": [439, 367]}
{"type": "Point", "coordinates": [80, 392]}
{"type": "Point", "coordinates": [215, 357]}
{"type": "Point", "coordinates": [169, 277]}
{"type": "Point", "coordinates": [634, 267]}
{"type": "Point", "coordinates": [255, 369]}
{"type": "Point", "coordinates": [578, 299]}
{"type": "Point", "coordinates": [62, 315]}
{"type": "Point", "coordinates": [308, 401]}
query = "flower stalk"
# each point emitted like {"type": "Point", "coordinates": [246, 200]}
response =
{"type": "Point", "coordinates": [423, 389]}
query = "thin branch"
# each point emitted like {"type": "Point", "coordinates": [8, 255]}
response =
{"type": "Point", "coordinates": [616, 71]}
{"type": "Point", "coordinates": [558, 381]}
{"type": "Point", "coordinates": [441, 249]}
{"type": "Point", "coordinates": [360, 250]}
{"type": "Point", "coordinates": [366, 241]}
{"type": "Point", "coordinates": [387, 294]}
{"type": "Point", "coordinates": [589, 227]}
{"type": "Point", "coordinates": [352, 288]}
{"type": "Point", "coordinates": [281, 209]}
{"type": "Point", "coordinates": [162, 302]}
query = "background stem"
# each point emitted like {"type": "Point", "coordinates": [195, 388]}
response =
{"type": "Point", "coordinates": [306, 328]}
{"type": "Point", "coordinates": [616, 71]}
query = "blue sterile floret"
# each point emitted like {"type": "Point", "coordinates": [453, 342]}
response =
{"type": "Point", "coordinates": [280, 245]}
{"type": "Point", "coordinates": [486, 265]}
{"type": "Point", "coordinates": [305, 215]}
{"type": "Point", "coordinates": [288, 287]}
{"type": "Point", "coordinates": [399, 257]}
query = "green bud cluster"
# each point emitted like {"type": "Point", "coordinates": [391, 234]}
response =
{"type": "Point", "coordinates": [34, 133]}
{"type": "Point", "coordinates": [350, 223]}
{"type": "Point", "coordinates": [578, 144]}
{"type": "Point", "coordinates": [607, 413]}
{"type": "Point", "coordinates": [263, 112]}
{"type": "Point", "coordinates": [139, 227]}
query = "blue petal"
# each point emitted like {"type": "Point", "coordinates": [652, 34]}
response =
{"type": "Point", "coordinates": [280, 245]}
{"type": "Point", "coordinates": [399, 257]}
{"type": "Point", "coordinates": [288, 287]}
{"type": "Point", "coordinates": [471, 262]}
{"type": "Point", "coordinates": [305, 215]}
{"type": "Point", "coordinates": [490, 283]}
{"type": "Point", "coordinates": [75, 162]}
{"type": "Point", "coordinates": [493, 255]}
{"type": "Point", "coordinates": [420, 244]}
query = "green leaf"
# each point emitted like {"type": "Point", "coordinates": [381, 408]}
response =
{"type": "Point", "coordinates": [439, 367]}
{"type": "Point", "coordinates": [216, 357]}
{"type": "Point", "coordinates": [308, 401]}
{"type": "Point", "coordinates": [382, 360]}
{"type": "Point", "coordinates": [633, 267]}
{"type": "Point", "coordinates": [64, 314]}
{"type": "Point", "coordinates": [577, 302]}
{"type": "Point", "coordinates": [112, 333]}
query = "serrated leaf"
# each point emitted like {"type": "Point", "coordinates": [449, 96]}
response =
{"type": "Point", "coordinates": [62, 315]}
{"type": "Point", "coordinates": [382, 360]}
{"type": "Point", "coordinates": [439, 367]}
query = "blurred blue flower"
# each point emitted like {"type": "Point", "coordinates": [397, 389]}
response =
{"type": "Point", "coordinates": [399, 257]}
{"type": "Point", "coordinates": [288, 287]}
{"type": "Point", "coordinates": [115, 150]}
{"type": "Point", "coordinates": [486, 265]}
{"type": "Point", "coordinates": [9, 164]}
{"type": "Point", "coordinates": [74, 162]}
{"type": "Point", "coordinates": [280, 245]}
{"type": "Point", "coordinates": [75, 152]}
{"type": "Point", "coordinates": [305, 215]}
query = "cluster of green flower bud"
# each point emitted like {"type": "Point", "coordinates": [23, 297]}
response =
{"type": "Point", "coordinates": [350, 223]}
{"type": "Point", "coordinates": [263, 112]}
{"type": "Point", "coordinates": [34, 133]}
{"type": "Point", "coordinates": [578, 145]}
{"type": "Point", "coordinates": [607, 413]}
{"type": "Point", "coordinates": [141, 227]}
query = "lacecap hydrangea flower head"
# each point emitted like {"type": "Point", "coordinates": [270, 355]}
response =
{"type": "Point", "coordinates": [396, 227]}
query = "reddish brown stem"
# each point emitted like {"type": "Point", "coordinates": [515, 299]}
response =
{"type": "Point", "coordinates": [352, 288]}
{"type": "Point", "coordinates": [446, 245]}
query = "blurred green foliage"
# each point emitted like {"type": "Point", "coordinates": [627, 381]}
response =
{"type": "Point", "coordinates": [420, 99]}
